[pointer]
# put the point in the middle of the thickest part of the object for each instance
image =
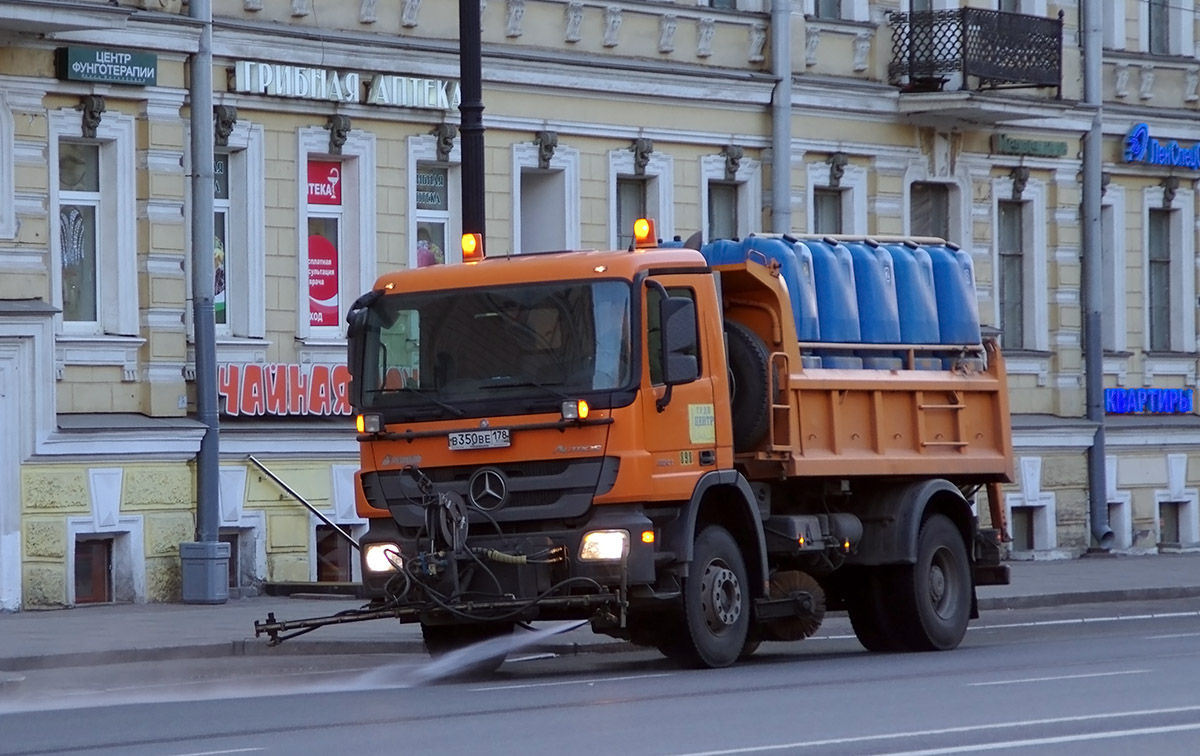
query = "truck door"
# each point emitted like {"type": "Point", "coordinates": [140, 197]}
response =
{"type": "Point", "coordinates": [681, 438]}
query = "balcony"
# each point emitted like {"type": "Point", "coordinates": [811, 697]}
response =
{"type": "Point", "coordinates": [973, 48]}
{"type": "Point", "coordinates": [954, 60]}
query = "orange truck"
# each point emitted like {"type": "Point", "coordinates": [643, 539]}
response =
{"type": "Point", "coordinates": [697, 450]}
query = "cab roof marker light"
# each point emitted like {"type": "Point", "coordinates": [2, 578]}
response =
{"type": "Point", "coordinates": [472, 248]}
{"type": "Point", "coordinates": [643, 233]}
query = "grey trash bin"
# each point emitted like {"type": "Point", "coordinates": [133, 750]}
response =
{"type": "Point", "coordinates": [204, 572]}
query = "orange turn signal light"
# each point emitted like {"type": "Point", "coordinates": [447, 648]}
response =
{"type": "Point", "coordinates": [647, 536]}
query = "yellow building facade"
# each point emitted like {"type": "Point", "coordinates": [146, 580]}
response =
{"type": "Point", "coordinates": [338, 158]}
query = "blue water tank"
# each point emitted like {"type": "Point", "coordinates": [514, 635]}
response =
{"type": "Point", "coordinates": [837, 301]}
{"type": "Point", "coordinates": [724, 252]}
{"type": "Point", "coordinates": [916, 299]}
{"type": "Point", "coordinates": [796, 270]}
{"type": "Point", "coordinates": [878, 314]}
{"type": "Point", "coordinates": [954, 282]}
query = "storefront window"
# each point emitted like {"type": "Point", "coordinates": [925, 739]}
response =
{"type": "Point", "coordinates": [79, 198]}
{"type": "Point", "coordinates": [433, 214]}
{"type": "Point", "coordinates": [722, 210]}
{"type": "Point", "coordinates": [324, 242]}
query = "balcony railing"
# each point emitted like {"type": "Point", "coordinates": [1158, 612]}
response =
{"type": "Point", "coordinates": [973, 48]}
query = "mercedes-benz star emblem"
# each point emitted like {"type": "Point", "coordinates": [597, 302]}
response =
{"type": "Point", "coordinates": [487, 489]}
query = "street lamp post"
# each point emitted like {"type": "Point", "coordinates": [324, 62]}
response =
{"type": "Point", "coordinates": [470, 57]}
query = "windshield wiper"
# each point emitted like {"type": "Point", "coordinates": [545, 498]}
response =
{"type": "Point", "coordinates": [508, 381]}
{"type": "Point", "coordinates": [421, 393]}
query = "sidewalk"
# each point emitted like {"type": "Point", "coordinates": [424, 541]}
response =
{"type": "Point", "coordinates": [148, 632]}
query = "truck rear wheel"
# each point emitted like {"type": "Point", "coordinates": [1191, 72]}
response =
{"type": "Point", "coordinates": [443, 639]}
{"type": "Point", "coordinates": [716, 604]}
{"type": "Point", "coordinates": [749, 399]}
{"type": "Point", "coordinates": [933, 596]}
{"type": "Point", "coordinates": [868, 610]}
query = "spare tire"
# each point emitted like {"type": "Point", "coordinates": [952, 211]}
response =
{"type": "Point", "coordinates": [749, 399]}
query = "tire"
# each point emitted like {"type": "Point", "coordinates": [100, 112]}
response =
{"type": "Point", "coordinates": [749, 399]}
{"type": "Point", "coordinates": [715, 613]}
{"type": "Point", "coordinates": [444, 639]}
{"type": "Point", "coordinates": [933, 596]}
{"type": "Point", "coordinates": [866, 604]}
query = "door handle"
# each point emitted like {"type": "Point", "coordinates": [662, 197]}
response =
{"type": "Point", "coordinates": [707, 457]}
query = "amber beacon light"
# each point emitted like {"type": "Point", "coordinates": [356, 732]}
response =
{"type": "Point", "coordinates": [472, 247]}
{"type": "Point", "coordinates": [643, 233]}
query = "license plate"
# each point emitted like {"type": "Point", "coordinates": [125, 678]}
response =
{"type": "Point", "coordinates": [492, 438]}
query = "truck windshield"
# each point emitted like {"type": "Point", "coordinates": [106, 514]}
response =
{"type": "Point", "coordinates": [521, 346]}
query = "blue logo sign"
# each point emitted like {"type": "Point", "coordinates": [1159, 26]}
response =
{"type": "Point", "coordinates": [1140, 148]}
{"type": "Point", "coordinates": [1118, 401]}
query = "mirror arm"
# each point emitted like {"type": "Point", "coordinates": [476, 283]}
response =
{"type": "Point", "coordinates": [661, 403]}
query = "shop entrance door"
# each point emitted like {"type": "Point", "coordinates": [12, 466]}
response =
{"type": "Point", "coordinates": [10, 474]}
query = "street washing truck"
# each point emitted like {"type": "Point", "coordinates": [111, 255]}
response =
{"type": "Point", "coordinates": [695, 449]}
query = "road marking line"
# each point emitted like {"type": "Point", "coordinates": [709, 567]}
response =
{"type": "Point", "coordinates": [1175, 635]}
{"type": "Point", "coordinates": [1060, 677]}
{"type": "Point", "coordinates": [1082, 620]}
{"type": "Point", "coordinates": [218, 753]}
{"type": "Point", "coordinates": [571, 682]}
{"type": "Point", "coordinates": [943, 731]}
{"type": "Point", "coordinates": [1047, 741]}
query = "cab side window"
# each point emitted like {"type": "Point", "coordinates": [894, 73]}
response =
{"type": "Point", "coordinates": [654, 330]}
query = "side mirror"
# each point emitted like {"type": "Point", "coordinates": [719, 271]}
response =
{"type": "Point", "coordinates": [678, 318]}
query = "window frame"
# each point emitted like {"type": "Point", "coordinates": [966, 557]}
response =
{"type": "Point", "coordinates": [1035, 294]}
{"type": "Point", "coordinates": [422, 150]}
{"type": "Point", "coordinates": [660, 191]}
{"type": "Point", "coordinates": [1113, 258]}
{"type": "Point", "coordinates": [1183, 293]}
{"type": "Point", "coordinates": [116, 340]}
{"type": "Point", "coordinates": [101, 234]}
{"type": "Point", "coordinates": [565, 160]}
{"type": "Point", "coordinates": [1002, 270]}
{"type": "Point", "coordinates": [357, 272]}
{"type": "Point", "coordinates": [1180, 32]}
{"type": "Point", "coordinates": [853, 186]}
{"type": "Point", "coordinates": [748, 179]}
{"type": "Point", "coordinates": [8, 197]}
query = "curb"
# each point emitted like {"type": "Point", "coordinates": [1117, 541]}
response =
{"type": "Point", "coordinates": [1089, 597]}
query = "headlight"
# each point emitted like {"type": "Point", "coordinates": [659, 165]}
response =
{"type": "Point", "coordinates": [370, 423]}
{"type": "Point", "coordinates": [382, 557]}
{"type": "Point", "coordinates": [604, 546]}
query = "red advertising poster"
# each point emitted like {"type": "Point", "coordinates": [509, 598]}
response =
{"type": "Point", "coordinates": [322, 272]}
{"type": "Point", "coordinates": [324, 182]}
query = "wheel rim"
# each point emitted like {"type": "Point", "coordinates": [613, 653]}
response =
{"type": "Point", "coordinates": [720, 597]}
{"type": "Point", "coordinates": [943, 584]}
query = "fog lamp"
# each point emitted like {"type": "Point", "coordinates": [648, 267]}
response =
{"type": "Point", "coordinates": [382, 557]}
{"type": "Point", "coordinates": [604, 546]}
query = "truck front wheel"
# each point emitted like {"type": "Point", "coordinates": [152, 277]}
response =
{"type": "Point", "coordinates": [716, 604]}
{"type": "Point", "coordinates": [933, 596]}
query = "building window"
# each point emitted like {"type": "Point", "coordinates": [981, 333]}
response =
{"type": "Point", "coordinates": [324, 214]}
{"type": "Point", "coordinates": [221, 240]}
{"type": "Point", "coordinates": [93, 236]}
{"type": "Point", "coordinates": [1158, 27]}
{"type": "Point", "coordinates": [546, 201]}
{"type": "Point", "coordinates": [93, 571]}
{"type": "Point", "coordinates": [337, 260]}
{"type": "Point", "coordinates": [1112, 254]}
{"type": "Point", "coordinates": [929, 210]}
{"type": "Point", "coordinates": [433, 213]}
{"type": "Point", "coordinates": [1169, 533]}
{"type": "Point", "coordinates": [723, 4]}
{"type": "Point", "coordinates": [1011, 244]}
{"type": "Point", "coordinates": [79, 219]}
{"type": "Point", "coordinates": [631, 205]}
{"type": "Point", "coordinates": [722, 210]}
{"type": "Point", "coordinates": [1159, 270]}
{"type": "Point", "coordinates": [648, 193]}
{"type": "Point", "coordinates": [333, 556]}
{"type": "Point", "coordinates": [827, 211]}
{"type": "Point", "coordinates": [1009, 6]}
{"type": "Point", "coordinates": [830, 9]}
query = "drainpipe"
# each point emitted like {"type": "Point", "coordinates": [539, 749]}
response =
{"type": "Point", "coordinates": [781, 117]}
{"type": "Point", "coordinates": [1093, 275]}
{"type": "Point", "coordinates": [205, 563]}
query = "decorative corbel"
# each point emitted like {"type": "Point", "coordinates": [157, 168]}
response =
{"type": "Point", "coordinates": [667, 24]}
{"type": "Point", "coordinates": [612, 26]}
{"type": "Point", "coordinates": [252, 5]}
{"type": "Point", "coordinates": [515, 12]}
{"type": "Point", "coordinates": [812, 40]}
{"type": "Point", "coordinates": [224, 118]}
{"type": "Point", "coordinates": [705, 31]}
{"type": "Point", "coordinates": [93, 108]}
{"type": "Point", "coordinates": [862, 50]}
{"type": "Point", "coordinates": [446, 133]}
{"type": "Point", "coordinates": [547, 142]}
{"type": "Point", "coordinates": [1146, 82]}
{"type": "Point", "coordinates": [1121, 82]}
{"type": "Point", "coordinates": [837, 168]}
{"type": "Point", "coordinates": [1105, 180]}
{"type": "Point", "coordinates": [301, 8]}
{"type": "Point", "coordinates": [641, 149]}
{"type": "Point", "coordinates": [733, 160]}
{"type": "Point", "coordinates": [367, 11]}
{"type": "Point", "coordinates": [573, 32]}
{"type": "Point", "coordinates": [1191, 90]}
{"type": "Point", "coordinates": [409, 14]}
{"type": "Point", "coordinates": [758, 40]}
{"type": "Point", "coordinates": [1020, 177]}
{"type": "Point", "coordinates": [339, 128]}
{"type": "Point", "coordinates": [1170, 186]}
